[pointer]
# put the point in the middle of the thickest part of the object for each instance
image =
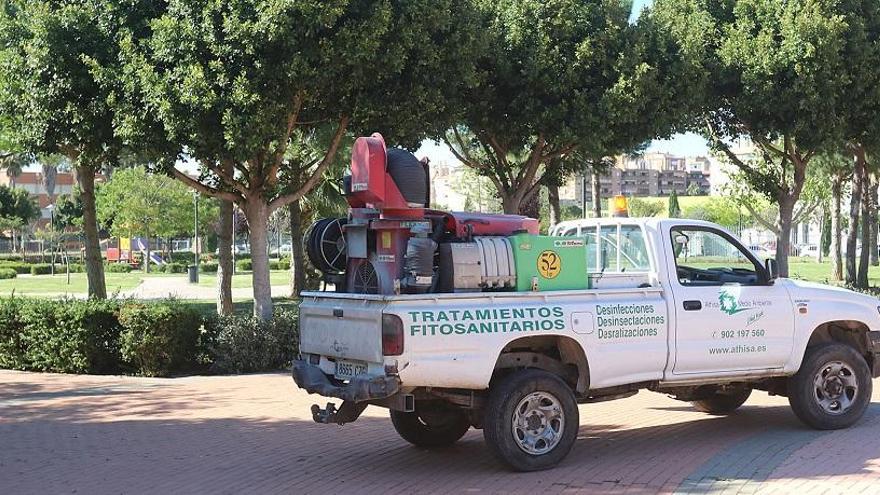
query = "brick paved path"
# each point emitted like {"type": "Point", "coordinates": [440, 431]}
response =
{"type": "Point", "coordinates": [253, 434]}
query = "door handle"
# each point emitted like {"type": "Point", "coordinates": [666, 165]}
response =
{"type": "Point", "coordinates": [692, 305]}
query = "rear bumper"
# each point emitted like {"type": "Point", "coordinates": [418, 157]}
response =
{"type": "Point", "coordinates": [311, 379]}
{"type": "Point", "coordinates": [874, 349]}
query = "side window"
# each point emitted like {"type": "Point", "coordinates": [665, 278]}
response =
{"type": "Point", "coordinates": [707, 258]}
{"type": "Point", "coordinates": [634, 252]}
{"type": "Point", "coordinates": [622, 250]}
{"type": "Point", "coordinates": [610, 249]}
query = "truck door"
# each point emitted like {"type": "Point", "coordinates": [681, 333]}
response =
{"type": "Point", "coordinates": [729, 317]}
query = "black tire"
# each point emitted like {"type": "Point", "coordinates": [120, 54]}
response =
{"type": "Point", "coordinates": [506, 398]}
{"type": "Point", "coordinates": [832, 388]}
{"type": "Point", "coordinates": [431, 425]}
{"type": "Point", "coordinates": [722, 403]}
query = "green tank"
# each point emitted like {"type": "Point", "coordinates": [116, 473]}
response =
{"type": "Point", "coordinates": [545, 263]}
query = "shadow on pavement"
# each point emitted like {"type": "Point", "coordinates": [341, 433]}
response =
{"type": "Point", "coordinates": [86, 441]}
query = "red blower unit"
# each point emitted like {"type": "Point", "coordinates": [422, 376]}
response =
{"type": "Point", "coordinates": [390, 242]}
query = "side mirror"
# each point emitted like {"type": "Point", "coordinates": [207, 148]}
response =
{"type": "Point", "coordinates": [772, 268]}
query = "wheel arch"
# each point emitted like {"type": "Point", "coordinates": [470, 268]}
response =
{"type": "Point", "coordinates": [557, 354]}
{"type": "Point", "coordinates": [853, 333]}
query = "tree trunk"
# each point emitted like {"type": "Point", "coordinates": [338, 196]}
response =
{"type": "Point", "coordinates": [783, 237]}
{"type": "Point", "coordinates": [823, 226]}
{"type": "Point", "coordinates": [147, 253]}
{"type": "Point", "coordinates": [597, 194]}
{"type": "Point", "coordinates": [555, 208]}
{"type": "Point", "coordinates": [854, 210]}
{"type": "Point", "coordinates": [94, 263]}
{"type": "Point", "coordinates": [531, 207]}
{"type": "Point", "coordinates": [224, 262]}
{"type": "Point", "coordinates": [836, 234]}
{"type": "Point", "coordinates": [297, 255]}
{"type": "Point", "coordinates": [875, 182]}
{"type": "Point", "coordinates": [509, 205]}
{"type": "Point", "coordinates": [257, 213]}
{"type": "Point", "coordinates": [865, 234]}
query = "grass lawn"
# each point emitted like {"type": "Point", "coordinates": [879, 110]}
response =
{"type": "Point", "coordinates": [244, 279]}
{"type": "Point", "coordinates": [56, 284]}
{"type": "Point", "coordinates": [821, 272]}
{"type": "Point", "coordinates": [801, 269]}
{"type": "Point", "coordinates": [53, 284]}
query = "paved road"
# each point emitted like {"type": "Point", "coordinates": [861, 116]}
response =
{"type": "Point", "coordinates": [252, 434]}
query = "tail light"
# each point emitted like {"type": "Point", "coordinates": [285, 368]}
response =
{"type": "Point", "coordinates": [392, 335]}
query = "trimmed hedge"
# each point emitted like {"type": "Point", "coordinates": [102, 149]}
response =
{"type": "Point", "coordinates": [174, 267]}
{"type": "Point", "coordinates": [242, 343]}
{"type": "Point", "coordinates": [66, 335]}
{"type": "Point", "coordinates": [247, 265]}
{"type": "Point", "coordinates": [18, 266]}
{"type": "Point", "coordinates": [30, 258]}
{"type": "Point", "coordinates": [159, 339]}
{"type": "Point", "coordinates": [209, 267]}
{"type": "Point", "coordinates": [41, 269]}
{"type": "Point", "coordinates": [279, 264]}
{"type": "Point", "coordinates": [148, 338]}
{"type": "Point", "coordinates": [7, 273]}
{"type": "Point", "coordinates": [117, 267]}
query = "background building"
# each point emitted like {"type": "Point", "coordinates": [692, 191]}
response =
{"type": "Point", "coordinates": [32, 182]}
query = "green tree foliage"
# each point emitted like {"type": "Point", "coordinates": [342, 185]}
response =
{"type": "Point", "coordinates": [55, 94]}
{"type": "Point", "coordinates": [560, 76]}
{"type": "Point", "coordinates": [17, 208]}
{"type": "Point", "coordinates": [136, 203]}
{"type": "Point", "coordinates": [68, 211]}
{"type": "Point", "coordinates": [236, 83]}
{"type": "Point", "coordinates": [778, 73]}
{"type": "Point", "coordinates": [642, 208]}
{"type": "Point", "coordinates": [723, 211]}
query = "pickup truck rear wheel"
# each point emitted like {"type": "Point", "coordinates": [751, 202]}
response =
{"type": "Point", "coordinates": [431, 425]}
{"type": "Point", "coordinates": [531, 420]}
{"type": "Point", "coordinates": [832, 389]}
{"type": "Point", "coordinates": [722, 403]}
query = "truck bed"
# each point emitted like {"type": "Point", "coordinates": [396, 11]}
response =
{"type": "Point", "coordinates": [484, 296]}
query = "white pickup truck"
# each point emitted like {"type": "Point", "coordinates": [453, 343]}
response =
{"type": "Point", "coordinates": [678, 307]}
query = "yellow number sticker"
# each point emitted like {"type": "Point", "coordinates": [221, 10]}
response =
{"type": "Point", "coordinates": [549, 264]}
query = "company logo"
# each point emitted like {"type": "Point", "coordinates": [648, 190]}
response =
{"type": "Point", "coordinates": [563, 243]}
{"type": "Point", "coordinates": [728, 304]}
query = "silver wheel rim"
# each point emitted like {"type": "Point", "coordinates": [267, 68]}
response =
{"type": "Point", "coordinates": [835, 387]}
{"type": "Point", "coordinates": [538, 423]}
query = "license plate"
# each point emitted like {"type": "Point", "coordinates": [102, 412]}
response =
{"type": "Point", "coordinates": [346, 370]}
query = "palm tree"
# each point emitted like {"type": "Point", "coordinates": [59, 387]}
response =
{"type": "Point", "coordinates": [14, 163]}
{"type": "Point", "coordinates": [50, 166]}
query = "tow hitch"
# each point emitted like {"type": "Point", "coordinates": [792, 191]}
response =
{"type": "Point", "coordinates": [347, 412]}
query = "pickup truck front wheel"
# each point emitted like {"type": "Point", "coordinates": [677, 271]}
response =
{"type": "Point", "coordinates": [531, 420]}
{"type": "Point", "coordinates": [832, 389]}
{"type": "Point", "coordinates": [431, 425]}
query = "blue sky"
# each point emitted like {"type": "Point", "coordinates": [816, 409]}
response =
{"type": "Point", "coordinates": [638, 4]}
{"type": "Point", "coordinates": [681, 144]}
